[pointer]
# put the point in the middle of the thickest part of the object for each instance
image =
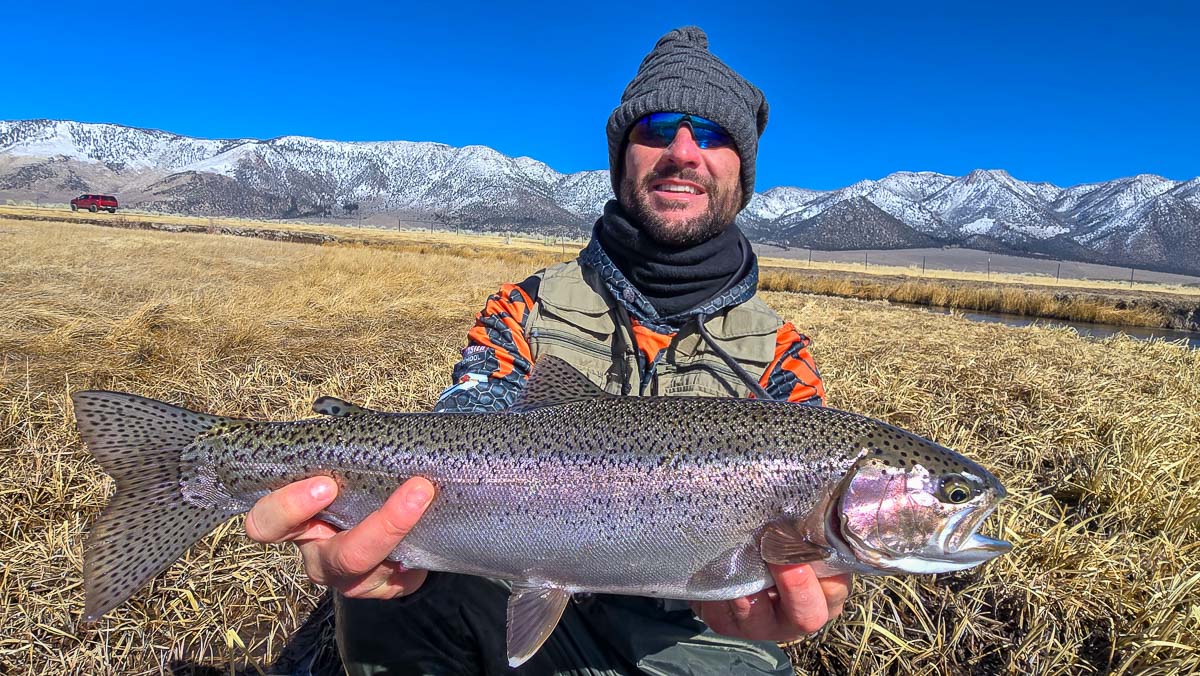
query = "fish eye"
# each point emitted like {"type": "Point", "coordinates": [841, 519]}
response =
{"type": "Point", "coordinates": [956, 491]}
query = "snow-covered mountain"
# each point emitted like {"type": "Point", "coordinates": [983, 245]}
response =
{"type": "Point", "coordinates": [290, 176]}
{"type": "Point", "coordinates": [853, 223]}
{"type": "Point", "coordinates": [994, 204]}
{"type": "Point", "coordinates": [1188, 191]}
{"type": "Point", "coordinates": [1142, 220]}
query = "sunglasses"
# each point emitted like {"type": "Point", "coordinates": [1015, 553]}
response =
{"type": "Point", "coordinates": [658, 130]}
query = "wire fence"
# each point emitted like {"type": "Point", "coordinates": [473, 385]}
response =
{"type": "Point", "coordinates": [923, 262]}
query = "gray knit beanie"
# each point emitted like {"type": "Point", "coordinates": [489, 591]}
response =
{"type": "Point", "coordinates": [680, 75]}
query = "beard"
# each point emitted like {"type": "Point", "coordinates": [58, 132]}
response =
{"type": "Point", "coordinates": [723, 207]}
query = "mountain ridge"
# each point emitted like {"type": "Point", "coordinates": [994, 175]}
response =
{"type": "Point", "coordinates": [1143, 220]}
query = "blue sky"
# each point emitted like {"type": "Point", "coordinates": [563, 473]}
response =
{"type": "Point", "coordinates": [1051, 91]}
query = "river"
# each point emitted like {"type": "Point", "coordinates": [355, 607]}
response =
{"type": "Point", "coordinates": [1083, 328]}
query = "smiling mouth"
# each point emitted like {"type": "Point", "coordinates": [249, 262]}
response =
{"type": "Point", "coordinates": [678, 189]}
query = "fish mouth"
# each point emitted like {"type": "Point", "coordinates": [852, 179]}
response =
{"type": "Point", "coordinates": [990, 546]}
{"type": "Point", "coordinates": [962, 542]}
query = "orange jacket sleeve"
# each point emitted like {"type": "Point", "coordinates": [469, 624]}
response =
{"type": "Point", "coordinates": [793, 375]}
{"type": "Point", "coordinates": [496, 361]}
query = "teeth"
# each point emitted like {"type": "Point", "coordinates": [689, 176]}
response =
{"type": "Point", "coordinates": [679, 188]}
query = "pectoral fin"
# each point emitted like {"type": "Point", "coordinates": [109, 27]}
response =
{"type": "Point", "coordinates": [533, 613]}
{"type": "Point", "coordinates": [785, 542]}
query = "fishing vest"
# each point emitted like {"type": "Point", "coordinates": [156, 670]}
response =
{"type": "Point", "coordinates": [576, 319]}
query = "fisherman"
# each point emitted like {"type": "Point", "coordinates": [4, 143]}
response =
{"type": "Point", "coordinates": [662, 301]}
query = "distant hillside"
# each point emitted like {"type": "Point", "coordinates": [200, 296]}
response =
{"type": "Point", "coordinates": [1145, 221]}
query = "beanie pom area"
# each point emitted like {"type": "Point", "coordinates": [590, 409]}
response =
{"type": "Point", "coordinates": [692, 36]}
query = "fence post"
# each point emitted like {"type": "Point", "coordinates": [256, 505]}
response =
{"type": "Point", "coordinates": [1058, 274]}
{"type": "Point", "coordinates": [864, 261]}
{"type": "Point", "coordinates": [810, 258]}
{"type": "Point", "coordinates": [922, 266]}
{"type": "Point", "coordinates": [1131, 278]}
{"type": "Point", "coordinates": [989, 275]}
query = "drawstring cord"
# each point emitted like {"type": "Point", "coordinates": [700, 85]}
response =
{"type": "Point", "coordinates": [748, 379]}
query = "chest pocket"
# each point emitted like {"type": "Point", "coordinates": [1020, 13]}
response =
{"type": "Point", "coordinates": [692, 368]}
{"type": "Point", "coordinates": [574, 319]}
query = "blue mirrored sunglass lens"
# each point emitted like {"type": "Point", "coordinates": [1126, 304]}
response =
{"type": "Point", "coordinates": [659, 129]}
{"type": "Point", "coordinates": [706, 138]}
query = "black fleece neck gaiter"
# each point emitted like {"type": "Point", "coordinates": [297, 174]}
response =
{"type": "Point", "coordinates": [673, 280]}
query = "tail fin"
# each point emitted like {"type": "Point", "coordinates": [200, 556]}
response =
{"type": "Point", "coordinates": [147, 525]}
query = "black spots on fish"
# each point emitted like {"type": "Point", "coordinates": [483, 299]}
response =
{"type": "Point", "coordinates": [117, 426]}
{"type": "Point", "coordinates": [900, 449]}
{"type": "Point", "coordinates": [147, 526]}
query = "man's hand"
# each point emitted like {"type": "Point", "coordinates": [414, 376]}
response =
{"type": "Point", "coordinates": [799, 604]}
{"type": "Point", "coordinates": [353, 561]}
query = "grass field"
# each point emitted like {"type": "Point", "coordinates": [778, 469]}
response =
{"type": "Point", "coordinates": [1096, 441]}
{"type": "Point", "coordinates": [407, 240]}
{"type": "Point", "coordinates": [944, 266]}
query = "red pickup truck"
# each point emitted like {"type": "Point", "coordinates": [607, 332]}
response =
{"type": "Point", "coordinates": [94, 203]}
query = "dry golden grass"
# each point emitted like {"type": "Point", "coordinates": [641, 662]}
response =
{"type": "Point", "coordinates": [1096, 442]}
{"type": "Point", "coordinates": [422, 241]}
{"type": "Point", "coordinates": [552, 246]}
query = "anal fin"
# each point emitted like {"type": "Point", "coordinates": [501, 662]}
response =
{"type": "Point", "coordinates": [533, 613]}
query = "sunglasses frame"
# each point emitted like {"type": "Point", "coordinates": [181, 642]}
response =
{"type": "Point", "coordinates": [654, 134]}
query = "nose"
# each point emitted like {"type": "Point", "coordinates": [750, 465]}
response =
{"type": "Point", "coordinates": [683, 150]}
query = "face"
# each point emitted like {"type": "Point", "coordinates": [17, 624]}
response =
{"type": "Point", "coordinates": [681, 194]}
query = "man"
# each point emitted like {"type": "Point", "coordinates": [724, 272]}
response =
{"type": "Point", "coordinates": [661, 302]}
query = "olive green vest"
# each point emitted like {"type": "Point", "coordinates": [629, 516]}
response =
{"type": "Point", "coordinates": [575, 318]}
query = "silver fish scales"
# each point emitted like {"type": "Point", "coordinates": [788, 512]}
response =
{"type": "Point", "coordinates": [572, 490]}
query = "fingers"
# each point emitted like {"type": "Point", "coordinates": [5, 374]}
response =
{"type": "Point", "coordinates": [750, 617]}
{"type": "Point", "coordinates": [361, 549]}
{"type": "Point", "coordinates": [799, 604]}
{"type": "Point", "coordinates": [719, 616]}
{"type": "Point", "coordinates": [803, 607]}
{"type": "Point", "coordinates": [284, 514]}
{"type": "Point", "coordinates": [388, 581]}
{"type": "Point", "coordinates": [352, 561]}
{"type": "Point", "coordinates": [836, 590]}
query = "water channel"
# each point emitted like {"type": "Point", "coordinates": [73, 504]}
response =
{"type": "Point", "coordinates": [1083, 328]}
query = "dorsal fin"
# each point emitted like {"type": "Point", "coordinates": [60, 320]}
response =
{"type": "Point", "coordinates": [554, 382]}
{"type": "Point", "coordinates": [338, 408]}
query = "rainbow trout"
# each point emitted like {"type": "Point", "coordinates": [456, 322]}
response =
{"type": "Point", "coordinates": [571, 490]}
